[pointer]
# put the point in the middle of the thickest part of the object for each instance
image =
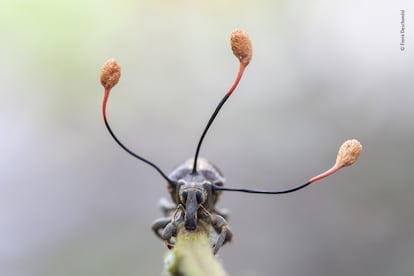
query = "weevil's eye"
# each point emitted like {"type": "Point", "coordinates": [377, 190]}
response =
{"type": "Point", "coordinates": [199, 196]}
{"type": "Point", "coordinates": [184, 196]}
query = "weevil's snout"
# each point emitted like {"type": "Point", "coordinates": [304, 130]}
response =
{"type": "Point", "coordinates": [191, 224]}
{"type": "Point", "coordinates": [192, 200]}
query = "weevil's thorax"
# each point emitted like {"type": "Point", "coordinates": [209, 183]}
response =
{"type": "Point", "coordinates": [201, 182]}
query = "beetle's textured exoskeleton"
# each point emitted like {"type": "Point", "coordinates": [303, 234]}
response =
{"type": "Point", "coordinates": [195, 198]}
{"type": "Point", "coordinates": [196, 185]}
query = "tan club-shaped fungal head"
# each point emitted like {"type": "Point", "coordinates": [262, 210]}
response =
{"type": "Point", "coordinates": [348, 153]}
{"type": "Point", "coordinates": [110, 73]}
{"type": "Point", "coordinates": [241, 46]}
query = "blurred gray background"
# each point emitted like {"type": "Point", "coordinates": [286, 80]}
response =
{"type": "Point", "coordinates": [73, 203]}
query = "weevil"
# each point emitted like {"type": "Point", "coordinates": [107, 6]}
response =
{"type": "Point", "coordinates": [196, 185]}
{"type": "Point", "coordinates": [195, 197]}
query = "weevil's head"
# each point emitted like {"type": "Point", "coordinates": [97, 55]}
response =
{"type": "Point", "coordinates": [192, 195]}
{"type": "Point", "coordinates": [192, 190]}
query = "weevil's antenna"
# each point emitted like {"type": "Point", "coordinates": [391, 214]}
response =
{"type": "Point", "coordinates": [110, 74]}
{"type": "Point", "coordinates": [242, 49]}
{"type": "Point", "coordinates": [347, 155]}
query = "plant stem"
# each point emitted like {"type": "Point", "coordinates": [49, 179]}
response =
{"type": "Point", "coordinates": [192, 255]}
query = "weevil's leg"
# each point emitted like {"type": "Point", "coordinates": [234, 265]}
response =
{"type": "Point", "coordinates": [170, 229]}
{"type": "Point", "coordinates": [220, 226]}
{"type": "Point", "coordinates": [166, 206]}
{"type": "Point", "coordinates": [224, 233]}
{"type": "Point", "coordinates": [170, 232]}
{"type": "Point", "coordinates": [159, 225]}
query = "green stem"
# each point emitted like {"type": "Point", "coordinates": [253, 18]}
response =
{"type": "Point", "coordinates": [193, 255]}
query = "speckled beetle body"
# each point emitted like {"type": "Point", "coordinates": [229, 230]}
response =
{"type": "Point", "coordinates": [194, 197]}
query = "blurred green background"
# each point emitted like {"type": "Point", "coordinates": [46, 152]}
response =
{"type": "Point", "coordinates": [73, 203]}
